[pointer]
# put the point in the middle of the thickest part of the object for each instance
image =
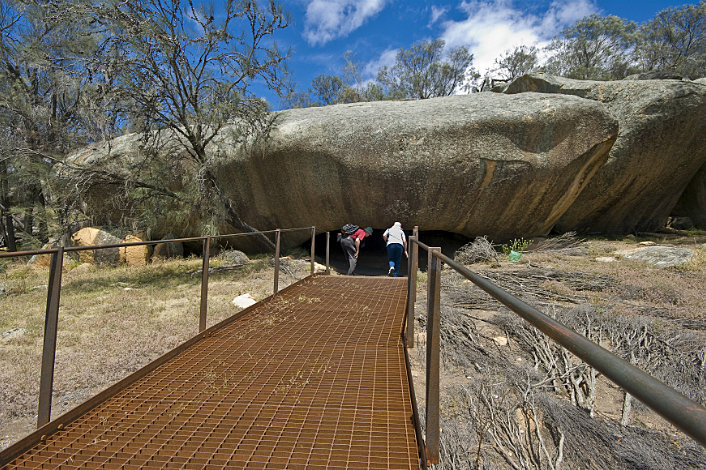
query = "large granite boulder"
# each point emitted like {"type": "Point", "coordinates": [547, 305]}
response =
{"type": "Point", "coordinates": [90, 236]}
{"type": "Point", "coordinates": [474, 165]}
{"type": "Point", "coordinates": [134, 255]}
{"type": "Point", "coordinates": [481, 164]}
{"type": "Point", "coordinates": [661, 146]}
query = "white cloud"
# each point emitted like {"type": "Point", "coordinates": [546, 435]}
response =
{"type": "Point", "coordinates": [330, 19]}
{"type": "Point", "coordinates": [493, 27]}
{"type": "Point", "coordinates": [562, 14]}
{"type": "Point", "coordinates": [436, 13]}
{"type": "Point", "coordinates": [387, 58]}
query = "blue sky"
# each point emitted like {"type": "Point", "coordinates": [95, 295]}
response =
{"type": "Point", "coordinates": [321, 31]}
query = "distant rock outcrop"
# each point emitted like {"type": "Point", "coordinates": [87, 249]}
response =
{"type": "Point", "coordinates": [661, 146]}
{"type": "Point", "coordinates": [479, 164]}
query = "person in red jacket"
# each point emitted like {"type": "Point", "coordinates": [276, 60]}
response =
{"type": "Point", "coordinates": [351, 246]}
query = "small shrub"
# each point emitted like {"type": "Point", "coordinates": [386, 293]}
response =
{"type": "Point", "coordinates": [480, 250]}
{"type": "Point", "coordinates": [518, 244]}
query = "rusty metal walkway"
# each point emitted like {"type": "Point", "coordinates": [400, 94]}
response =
{"type": "Point", "coordinates": [314, 377]}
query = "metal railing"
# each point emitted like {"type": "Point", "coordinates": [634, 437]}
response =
{"type": "Point", "coordinates": [46, 382]}
{"type": "Point", "coordinates": [679, 410]}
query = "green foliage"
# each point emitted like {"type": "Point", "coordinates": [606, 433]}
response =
{"type": "Point", "coordinates": [520, 61]}
{"type": "Point", "coordinates": [596, 48]}
{"type": "Point", "coordinates": [518, 245]}
{"type": "Point", "coordinates": [47, 81]}
{"type": "Point", "coordinates": [423, 71]}
{"type": "Point", "coordinates": [187, 73]}
{"type": "Point", "coordinates": [675, 41]}
{"type": "Point", "coordinates": [334, 89]}
{"type": "Point", "coordinates": [608, 47]}
{"type": "Point", "coordinates": [327, 89]}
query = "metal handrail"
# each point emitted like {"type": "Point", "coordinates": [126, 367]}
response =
{"type": "Point", "coordinates": [681, 411]}
{"type": "Point", "coordinates": [54, 294]}
{"type": "Point", "coordinates": [47, 251]}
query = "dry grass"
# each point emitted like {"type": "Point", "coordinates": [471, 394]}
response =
{"type": "Point", "coordinates": [112, 321]}
{"type": "Point", "coordinates": [656, 318]}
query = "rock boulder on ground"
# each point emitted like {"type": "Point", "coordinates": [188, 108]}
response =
{"type": "Point", "coordinates": [661, 146]}
{"type": "Point", "coordinates": [233, 258]}
{"type": "Point", "coordinates": [660, 256]}
{"type": "Point", "coordinates": [136, 255]}
{"type": "Point", "coordinates": [43, 261]}
{"type": "Point", "coordinates": [88, 236]}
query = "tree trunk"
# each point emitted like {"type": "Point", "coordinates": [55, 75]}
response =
{"type": "Point", "coordinates": [9, 227]}
{"type": "Point", "coordinates": [9, 234]}
{"type": "Point", "coordinates": [43, 229]}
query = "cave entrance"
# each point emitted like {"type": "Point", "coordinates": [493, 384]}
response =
{"type": "Point", "coordinates": [373, 256]}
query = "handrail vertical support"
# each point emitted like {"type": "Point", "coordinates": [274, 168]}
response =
{"type": "Point", "coordinates": [313, 236]}
{"type": "Point", "coordinates": [46, 381]}
{"type": "Point", "coordinates": [328, 249]}
{"type": "Point", "coordinates": [433, 353]}
{"type": "Point", "coordinates": [204, 283]}
{"type": "Point", "coordinates": [277, 249]}
{"type": "Point", "coordinates": [411, 289]}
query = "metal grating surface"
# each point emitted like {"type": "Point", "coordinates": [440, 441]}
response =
{"type": "Point", "coordinates": [314, 378]}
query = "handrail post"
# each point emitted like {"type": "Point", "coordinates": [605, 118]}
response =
{"type": "Point", "coordinates": [277, 248]}
{"type": "Point", "coordinates": [204, 283]}
{"type": "Point", "coordinates": [313, 235]}
{"type": "Point", "coordinates": [433, 353]}
{"type": "Point", "coordinates": [46, 381]}
{"type": "Point", "coordinates": [328, 249]}
{"type": "Point", "coordinates": [411, 289]}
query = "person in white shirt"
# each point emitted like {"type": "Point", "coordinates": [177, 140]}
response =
{"type": "Point", "coordinates": [396, 245]}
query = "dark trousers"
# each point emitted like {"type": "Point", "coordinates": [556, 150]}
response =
{"type": "Point", "coordinates": [394, 255]}
{"type": "Point", "coordinates": [348, 245]}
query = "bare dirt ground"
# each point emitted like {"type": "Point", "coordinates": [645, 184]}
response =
{"type": "Point", "coordinates": [510, 399]}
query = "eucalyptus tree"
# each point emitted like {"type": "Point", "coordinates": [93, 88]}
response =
{"type": "Point", "coordinates": [327, 89]}
{"type": "Point", "coordinates": [44, 85]}
{"type": "Point", "coordinates": [594, 48]}
{"type": "Point", "coordinates": [424, 71]}
{"type": "Point", "coordinates": [517, 62]}
{"type": "Point", "coordinates": [675, 41]}
{"type": "Point", "coordinates": [188, 70]}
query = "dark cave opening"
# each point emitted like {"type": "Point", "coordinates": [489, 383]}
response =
{"type": "Point", "coordinates": [372, 260]}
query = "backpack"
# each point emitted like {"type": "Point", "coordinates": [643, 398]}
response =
{"type": "Point", "coordinates": [349, 229]}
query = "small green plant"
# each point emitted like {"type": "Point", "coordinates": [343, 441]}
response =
{"type": "Point", "coordinates": [518, 245]}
